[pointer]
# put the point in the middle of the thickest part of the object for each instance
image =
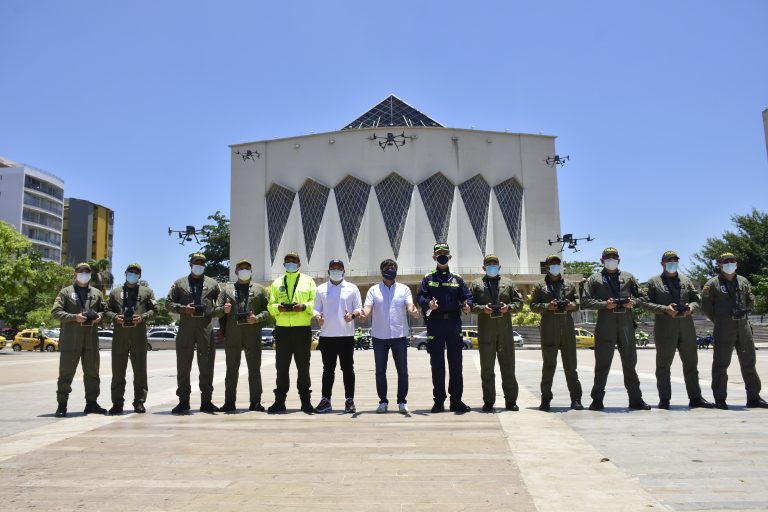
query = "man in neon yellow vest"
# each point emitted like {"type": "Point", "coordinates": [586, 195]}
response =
{"type": "Point", "coordinates": [291, 298]}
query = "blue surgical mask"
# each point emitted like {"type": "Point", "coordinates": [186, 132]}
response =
{"type": "Point", "coordinates": [389, 274]}
{"type": "Point", "coordinates": [198, 269]}
{"type": "Point", "coordinates": [492, 270]}
{"type": "Point", "coordinates": [83, 277]}
{"type": "Point", "coordinates": [336, 275]}
{"type": "Point", "coordinates": [131, 277]}
{"type": "Point", "coordinates": [611, 264]}
{"type": "Point", "coordinates": [729, 268]}
{"type": "Point", "coordinates": [671, 266]}
{"type": "Point", "coordinates": [555, 270]}
{"type": "Point", "coordinates": [443, 259]}
{"type": "Point", "coordinates": [244, 274]}
{"type": "Point", "coordinates": [291, 267]}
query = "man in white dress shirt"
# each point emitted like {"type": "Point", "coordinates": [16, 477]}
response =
{"type": "Point", "coordinates": [389, 302]}
{"type": "Point", "coordinates": [337, 304]}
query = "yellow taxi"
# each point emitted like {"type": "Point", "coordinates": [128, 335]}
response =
{"type": "Point", "coordinates": [28, 340]}
{"type": "Point", "coordinates": [584, 338]}
{"type": "Point", "coordinates": [2, 342]}
{"type": "Point", "coordinates": [471, 335]}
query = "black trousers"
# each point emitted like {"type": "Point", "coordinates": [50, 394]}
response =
{"type": "Point", "coordinates": [343, 348]}
{"type": "Point", "coordinates": [292, 343]}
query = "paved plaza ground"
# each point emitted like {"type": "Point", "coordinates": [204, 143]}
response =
{"type": "Point", "coordinates": [564, 460]}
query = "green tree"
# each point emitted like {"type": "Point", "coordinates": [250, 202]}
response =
{"type": "Point", "coordinates": [526, 316]}
{"type": "Point", "coordinates": [101, 277]}
{"type": "Point", "coordinates": [749, 242]}
{"type": "Point", "coordinates": [585, 268]}
{"type": "Point", "coordinates": [28, 284]}
{"type": "Point", "coordinates": [215, 240]}
{"type": "Point", "coordinates": [162, 315]}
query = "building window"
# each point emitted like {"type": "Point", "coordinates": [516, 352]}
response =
{"type": "Point", "coordinates": [42, 218]}
{"type": "Point", "coordinates": [312, 199]}
{"type": "Point", "coordinates": [351, 200]}
{"type": "Point", "coordinates": [476, 194]}
{"type": "Point", "coordinates": [437, 196]}
{"type": "Point", "coordinates": [44, 187]}
{"type": "Point", "coordinates": [279, 201]}
{"type": "Point", "coordinates": [394, 193]}
{"type": "Point", "coordinates": [45, 204]}
{"type": "Point", "coordinates": [509, 194]}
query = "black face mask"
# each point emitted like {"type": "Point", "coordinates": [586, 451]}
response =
{"type": "Point", "coordinates": [389, 274]}
{"type": "Point", "coordinates": [443, 259]}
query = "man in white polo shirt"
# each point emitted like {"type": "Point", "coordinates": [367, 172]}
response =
{"type": "Point", "coordinates": [337, 304]}
{"type": "Point", "coordinates": [389, 302]}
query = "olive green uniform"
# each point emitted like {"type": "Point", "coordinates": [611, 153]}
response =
{"type": "Point", "coordinates": [718, 297]}
{"type": "Point", "coordinates": [195, 333]}
{"type": "Point", "coordinates": [130, 342]}
{"type": "Point", "coordinates": [614, 329]}
{"type": "Point", "coordinates": [494, 336]}
{"type": "Point", "coordinates": [241, 337]}
{"type": "Point", "coordinates": [557, 334]}
{"type": "Point", "coordinates": [674, 332]}
{"type": "Point", "coordinates": [77, 342]}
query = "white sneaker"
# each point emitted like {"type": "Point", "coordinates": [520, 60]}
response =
{"type": "Point", "coordinates": [382, 408]}
{"type": "Point", "coordinates": [403, 408]}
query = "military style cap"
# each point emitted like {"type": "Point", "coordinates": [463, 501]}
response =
{"type": "Point", "coordinates": [441, 247]}
{"type": "Point", "coordinates": [610, 250]}
{"type": "Point", "coordinates": [490, 257]}
{"type": "Point", "coordinates": [197, 256]}
{"type": "Point", "coordinates": [668, 255]}
{"type": "Point", "coordinates": [726, 256]}
{"type": "Point", "coordinates": [134, 266]}
{"type": "Point", "coordinates": [336, 262]}
{"type": "Point", "coordinates": [83, 265]}
{"type": "Point", "coordinates": [553, 257]}
{"type": "Point", "coordinates": [243, 262]}
{"type": "Point", "coordinates": [292, 254]}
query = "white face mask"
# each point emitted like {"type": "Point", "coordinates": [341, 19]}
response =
{"type": "Point", "coordinates": [83, 277]}
{"type": "Point", "coordinates": [555, 270]}
{"type": "Point", "coordinates": [730, 268]}
{"type": "Point", "coordinates": [611, 264]}
{"type": "Point", "coordinates": [336, 275]}
{"type": "Point", "coordinates": [671, 266]}
{"type": "Point", "coordinates": [244, 274]}
{"type": "Point", "coordinates": [198, 269]}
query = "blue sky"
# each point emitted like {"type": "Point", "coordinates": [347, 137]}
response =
{"type": "Point", "coordinates": [657, 103]}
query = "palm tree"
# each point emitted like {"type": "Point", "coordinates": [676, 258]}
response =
{"type": "Point", "coordinates": [101, 277]}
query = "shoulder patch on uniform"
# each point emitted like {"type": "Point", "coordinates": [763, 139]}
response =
{"type": "Point", "coordinates": [645, 290]}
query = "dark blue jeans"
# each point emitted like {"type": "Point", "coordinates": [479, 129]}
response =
{"type": "Point", "coordinates": [399, 348]}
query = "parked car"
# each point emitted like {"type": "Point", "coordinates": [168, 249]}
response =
{"type": "Point", "coordinates": [517, 338]}
{"type": "Point", "coordinates": [419, 341]}
{"type": "Point", "coordinates": [161, 340]}
{"type": "Point", "coordinates": [2, 342]}
{"type": "Point", "coordinates": [105, 339]}
{"type": "Point", "coordinates": [584, 339]}
{"type": "Point", "coordinates": [159, 328]}
{"type": "Point", "coordinates": [267, 340]}
{"type": "Point", "coordinates": [471, 334]}
{"type": "Point", "coordinates": [28, 340]}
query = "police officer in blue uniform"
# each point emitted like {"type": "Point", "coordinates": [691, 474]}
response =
{"type": "Point", "coordinates": [442, 297]}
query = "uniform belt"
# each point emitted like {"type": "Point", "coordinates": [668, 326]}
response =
{"type": "Point", "coordinates": [444, 316]}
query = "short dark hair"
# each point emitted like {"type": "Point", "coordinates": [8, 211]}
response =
{"type": "Point", "coordinates": [389, 262]}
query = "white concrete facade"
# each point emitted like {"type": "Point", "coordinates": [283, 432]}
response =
{"type": "Point", "coordinates": [32, 201]}
{"type": "Point", "coordinates": [459, 154]}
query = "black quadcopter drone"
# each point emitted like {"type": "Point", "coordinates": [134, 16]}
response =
{"type": "Point", "coordinates": [391, 140]}
{"type": "Point", "coordinates": [187, 234]}
{"type": "Point", "coordinates": [552, 161]}
{"type": "Point", "coordinates": [249, 154]}
{"type": "Point", "coordinates": [569, 241]}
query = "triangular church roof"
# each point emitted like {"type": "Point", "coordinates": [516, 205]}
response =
{"type": "Point", "coordinates": [392, 112]}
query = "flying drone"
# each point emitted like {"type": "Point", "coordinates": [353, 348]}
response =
{"type": "Point", "coordinates": [249, 154]}
{"type": "Point", "coordinates": [187, 234]}
{"type": "Point", "coordinates": [391, 140]}
{"type": "Point", "coordinates": [552, 161]}
{"type": "Point", "coordinates": [569, 241]}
